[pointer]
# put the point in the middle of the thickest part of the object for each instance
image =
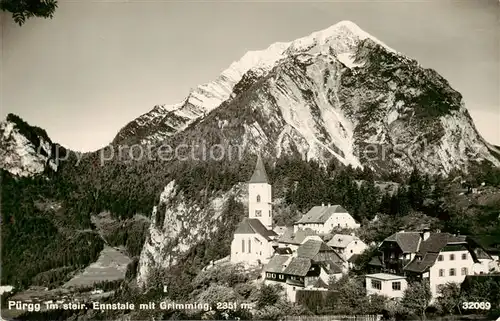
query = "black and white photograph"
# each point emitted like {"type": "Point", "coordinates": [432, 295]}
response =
{"type": "Point", "coordinates": [281, 160]}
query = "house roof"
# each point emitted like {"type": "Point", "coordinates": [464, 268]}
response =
{"type": "Point", "coordinates": [280, 229]}
{"type": "Point", "coordinates": [330, 267]}
{"type": "Point", "coordinates": [407, 241]}
{"type": "Point", "coordinates": [320, 214]}
{"type": "Point", "coordinates": [427, 251]}
{"type": "Point", "coordinates": [342, 240]}
{"type": "Point", "coordinates": [276, 263]}
{"type": "Point", "coordinates": [254, 226]}
{"type": "Point", "coordinates": [311, 248]}
{"type": "Point", "coordinates": [298, 266]}
{"type": "Point", "coordinates": [385, 276]}
{"type": "Point", "coordinates": [422, 264]}
{"type": "Point", "coordinates": [259, 174]}
{"type": "Point", "coordinates": [289, 237]}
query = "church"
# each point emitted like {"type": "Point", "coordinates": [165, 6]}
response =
{"type": "Point", "coordinates": [252, 241]}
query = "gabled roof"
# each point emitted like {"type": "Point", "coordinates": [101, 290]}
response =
{"type": "Point", "coordinates": [320, 214]}
{"type": "Point", "coordinates": [342, 240]}
{"type": "Point", "coordinates": [276, 263]}
{"type": "Point", "coordinates": [259, 175]}
{"type": "Point", "coordinates": [428, 250]}
{"type": "Point", "coordinates": [289, 237]}
{"type": "Point", "coordinates": [254, 226]}
{"type": "Point", "coordinates": [422, 264]}
{"type": "Point", "coordinates": [407, 241]}
{"type": "Point", "coordinates": [298, 266]}
{"type": "Point", "coordinates": [311, 248]}
{"type": "Point", "coordinates": [330, 267]}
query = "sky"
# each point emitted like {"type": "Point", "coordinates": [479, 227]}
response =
{"type": "Point", "coordinates": [99, 64]}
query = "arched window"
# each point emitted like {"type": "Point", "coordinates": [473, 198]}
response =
{"type": "Point", "coordinates": [258, 198]}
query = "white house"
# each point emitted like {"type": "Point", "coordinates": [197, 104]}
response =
{"type": "Point", "coordinates": [323, 219]}
{"type": "Point", "coordinates": [253, 239]}
{"type": "Point", "coordinates": [438, 257]}
{"type": "Point", "coordinates": [347, 245]}
{"type": "Point", "coordinates": [390, 285]}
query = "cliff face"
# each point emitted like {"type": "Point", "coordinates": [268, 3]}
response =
{"type": "Point", "coordinates": [25, 150]}
{"type": "Point", "coordinates": [177, 225]}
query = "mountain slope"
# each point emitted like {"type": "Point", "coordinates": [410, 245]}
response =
{"type": "Point", "coordinates": [336, 93]}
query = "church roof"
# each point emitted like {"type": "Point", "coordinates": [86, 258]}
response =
{"type": "Point", "coordinates": [259, 174]}
{"type": "Point", "coordinates": [254, 226]}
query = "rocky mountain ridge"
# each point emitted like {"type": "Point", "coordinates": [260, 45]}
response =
{"type": "Point", "coordinates": [337, 93]}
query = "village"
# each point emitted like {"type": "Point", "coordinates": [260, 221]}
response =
{"type": "Point", "coordinates": [311, 254]}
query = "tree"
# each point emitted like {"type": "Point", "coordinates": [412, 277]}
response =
{"type": "Point", "coordinates": [24, 9]}
{"type": "Point", "coordinates": [417, 297]}
{"type": "Point", "coordinates": [449, 297]}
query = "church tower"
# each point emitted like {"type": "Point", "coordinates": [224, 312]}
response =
{"type": "Point", "coordinates": [260, 196]}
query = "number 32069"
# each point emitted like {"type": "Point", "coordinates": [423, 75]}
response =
{"type": "Point", "coordinates": [476, 305]}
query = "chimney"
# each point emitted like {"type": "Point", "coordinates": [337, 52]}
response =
{"type": "Point", "coordinates": [425, 233]}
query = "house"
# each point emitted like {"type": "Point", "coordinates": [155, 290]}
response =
{"type": "Point", "coordinates": [390, 285]}
{"type": "Point", "coordinates": [438, 257]}
{"type": "Point", "coordinates": [254, 236]}
{"type": "Point", "coordinates": [293, 239]}
{"type": "Point", "coordinates": [322, 219]}
{"type": "Point", "coordinates": [290, 272]}
{"type": "Point", "coordinates": [310, 267]}
{"type": "Point", "coordinates": [319, 251]}
{"type": "Point", "coordinates": [347, 245]}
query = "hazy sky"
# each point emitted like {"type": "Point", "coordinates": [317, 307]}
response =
{"type": "Point", "coordinates": [99, 64]}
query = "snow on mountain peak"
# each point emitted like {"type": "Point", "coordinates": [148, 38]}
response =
{"type": "Point", "coordinates": [342, 37]}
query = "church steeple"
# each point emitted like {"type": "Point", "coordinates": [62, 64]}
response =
{"type": "Point", "coordinates": [259, 175]}
{"type": "Point", "coordinates": [260, 196]}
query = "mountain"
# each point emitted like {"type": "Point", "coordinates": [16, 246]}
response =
{"type": "Point", "coordinates": [338, 93]}
{"type": "Point", "coordinates": [25, 150]}
{"type": "Point", "coordinates": [325, 98]}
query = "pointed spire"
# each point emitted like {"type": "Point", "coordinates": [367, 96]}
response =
{"type": "Point", "coordinates": [259, 175]}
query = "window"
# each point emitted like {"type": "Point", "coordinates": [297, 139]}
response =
{"type": "Point", "coordinates": [339, 225]}
{"type": "Point", "coordinates": [452, 257]}
{"type": "Point", "coordinates": [464, 271]}
{"type": "Point", "coordinates": [258, 213]}
{"type": "Point", "coordinates": [441, 272]}
{"type": "Point", "coordinates": [281, 277]}
{"type": "Point", "coordinates": [268, 274]}
{"type": "Point", "coordinates": [293, 288]}
{"type": "Point", "coordinates": [452, 272]}
{"type": "Point", "coordinates": [242, 246]}
{"type": "Point", "coordinates": [376, 284]}
{"type": "Point", "coordinates": [249, 246]}
{"type": "Point", "coordinates": [464, 256]}
{"type": "Point", "coordinates": [258, 198]}
{"type": "Point", "coordinates": [351, 251]}
{"type": "Point", "coordinates": [440, 257]}
{"type": "Point", "coordinates": [396, 286]}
